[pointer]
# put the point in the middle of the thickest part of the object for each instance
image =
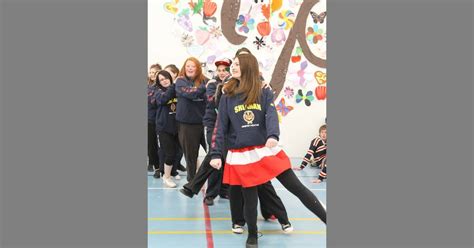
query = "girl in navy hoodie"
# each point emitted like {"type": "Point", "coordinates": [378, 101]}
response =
{"type": "Point", "coordinates": [153, 159]}
{"type": "Point", "coordinates": [165, 98]}
{"type": "Point", "coordinates": [248, 119]}
{"type": "Point", "coordinates": [191, 93]}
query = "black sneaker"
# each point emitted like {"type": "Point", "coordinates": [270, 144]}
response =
{"type": "Point", "coordinates": [186, 192]}
{"type": "Point", "coordinates": [238, 229]}
{"type": "Point", "coordinates": [251, 242]}
{"type": "Point", "coordinates": [181, 167]}
{"type": "Point", "coordinates": [224, 197]}
{"type": "Point", "coordinates": [209, 201]}
{"type": "Point", "coordinates": [157, 174]}
{"type": "Point", "coordinates": [287, 228]}
{"type": "Point", "coordinates": [151, 168]}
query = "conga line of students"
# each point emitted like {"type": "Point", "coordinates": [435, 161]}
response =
{"type": "Point", "coordinates": [235, 112]}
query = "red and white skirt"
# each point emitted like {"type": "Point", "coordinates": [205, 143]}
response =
{"type": "Point", "coordinates": [254, 165]}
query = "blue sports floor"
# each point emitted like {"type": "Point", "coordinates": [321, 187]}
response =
{"type": "Point", "coordinates": [177, 221]}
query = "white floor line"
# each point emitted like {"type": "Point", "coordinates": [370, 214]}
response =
{"type": "Point", "coordinates": [275, 189]}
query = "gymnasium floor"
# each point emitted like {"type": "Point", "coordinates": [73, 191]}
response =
{"type": "Point", "coordinates": [177, 221]}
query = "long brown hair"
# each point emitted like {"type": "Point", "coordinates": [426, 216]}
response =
{"type": "Point", "coordinates": [250, 85]}
{"type": "Point", "coordinates": [199, 78]}
{"type": "Point", "coordinates": [158, 68]}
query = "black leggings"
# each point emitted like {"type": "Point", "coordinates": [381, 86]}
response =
{"type": "Point", "coordinates": [169, 144]}
{"type": "Point", "coordinates": [152, 146]}
{"type": "Point", "coordinates": [270, 204]}
{"type": "Point", "coordinates": [289, 180]}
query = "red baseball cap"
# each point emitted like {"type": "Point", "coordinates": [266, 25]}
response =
{"type": "Point", "coordinates": [225, 62]}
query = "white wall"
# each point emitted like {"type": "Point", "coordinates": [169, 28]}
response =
{"type": "Point", "coordinates": [300, 125]}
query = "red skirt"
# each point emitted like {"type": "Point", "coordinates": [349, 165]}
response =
{"type": "Point", "coordinates": [254, 165]}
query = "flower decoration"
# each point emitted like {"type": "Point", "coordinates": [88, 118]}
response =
{"type": "Point", "coordinates": [287, 18]}
{"type": "Point", "coordinates": [215, 31]}
{"type": "Point", "coordinates": [289, 92]}
{"type": "Point", "coordinates": [245, 23]}
{"type": "Point", "coordinates": [187, 40]}
{"type": "Point", "coordinates": [314, 34]}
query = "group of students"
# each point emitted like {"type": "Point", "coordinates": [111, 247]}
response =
{"type": "Point", "coordinates": [237, 112]}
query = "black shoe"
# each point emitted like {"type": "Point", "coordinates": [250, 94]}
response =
{"type": "Point", "coordinates": [173, 174]}
{"type": "Point", "coordinates": [151, 168]}
{"type": "Point", "coordinates": [209, 201]}
{"type": "Point", "coordinates": [186, 192]}
{"type": "Point", "coordinates": [157, 174]}
{"type": "Point", "coordinates": [251, 242]}
{"type": "Point", "coordinates": [181, 167]}
{"type": "Point", "coordinates": [224, 197]}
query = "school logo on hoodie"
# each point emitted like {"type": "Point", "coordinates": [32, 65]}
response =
{"type": "Point", "coordinates": [249, 117]}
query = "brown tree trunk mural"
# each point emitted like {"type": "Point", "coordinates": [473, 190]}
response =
{"type": "Point", "coordinates": [229, 14]}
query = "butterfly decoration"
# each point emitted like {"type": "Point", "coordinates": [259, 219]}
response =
{"type": "Point", "coordinates": [307, 98]}
{"type": "Point", "coordinates": [171, 7]}
{"type": "Point", "coordinates": [301, 73]}
{"type": "Point", "coordinates": [259, 42]}
{"type": "Point", "coordinates": [282, 108]}
{"type": "Point", "coordinates": [318, 18]}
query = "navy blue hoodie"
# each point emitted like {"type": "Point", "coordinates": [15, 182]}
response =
{"type": "Point", "coordinates": [210, 116]}
{"type": "Point", "coordinates": [166, 102]}
{"type": "Point", "coordinates": [151, 89]}
{"type": "Point", "coordinates": [245, 126]}
{"type": "Point", "coordinates": [191, 101]}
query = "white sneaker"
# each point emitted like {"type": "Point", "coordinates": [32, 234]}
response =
{"type": "Point", "coordinates": [169, 182]}
{"type": "Point", "coordinates": [288, 228]}
{"type": "Point", "coordinates": [237, 229]}
{"type": "Point", "coordinates": [177, 177]}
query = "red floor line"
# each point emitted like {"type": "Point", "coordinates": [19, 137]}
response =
{"type": "Point", "coordinates": [207, 220]}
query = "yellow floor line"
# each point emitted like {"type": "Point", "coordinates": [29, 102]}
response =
{"type": "Point", "coordinates": [322, 232]}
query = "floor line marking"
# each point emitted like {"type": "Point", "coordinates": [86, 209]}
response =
{"type": "Point", "coordinates": [275, 189]}
{"type": "Point", "coordinates": [215, 219]}
{"type": "Point", "coordinates": [320, 232]}
{"type": "Point", "coordinates": [207, 221]}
